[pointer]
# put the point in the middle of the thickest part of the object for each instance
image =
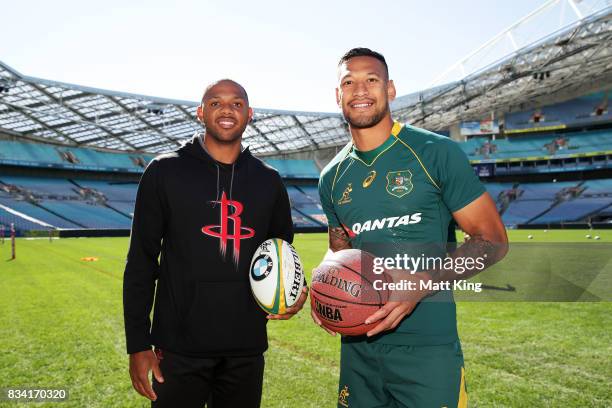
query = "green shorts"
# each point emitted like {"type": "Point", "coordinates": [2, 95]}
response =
{"type": "Point", "coordinates": [374, 375]}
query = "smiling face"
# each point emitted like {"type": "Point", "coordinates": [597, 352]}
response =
{"type": "Point", "coordinates": [225, 111]}
{"type": "Point", "coordinates": [364, 91]}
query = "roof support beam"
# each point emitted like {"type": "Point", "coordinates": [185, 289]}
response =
{"type": "Point", "coordinates": [25, 113]}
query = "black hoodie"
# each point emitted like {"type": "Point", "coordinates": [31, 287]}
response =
{"type": "Point", "coordinates": [205, 219]}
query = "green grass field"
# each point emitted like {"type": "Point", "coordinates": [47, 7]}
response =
{"type": "Point", "coordinates": [61, 325]}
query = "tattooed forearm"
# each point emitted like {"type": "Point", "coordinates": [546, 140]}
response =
{"type": "Point", "coordinates": [338, 239]}
{"type": "Point", "coordinates": [476, 248]}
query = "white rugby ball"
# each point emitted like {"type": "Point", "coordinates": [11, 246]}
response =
{"type": "Point", "coordinates": [276, 276]}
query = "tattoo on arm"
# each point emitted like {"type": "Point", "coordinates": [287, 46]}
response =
{"type": "Point", "coordinates": [338, 239]}
{"type": "Point", "coordinates": [475, 248]}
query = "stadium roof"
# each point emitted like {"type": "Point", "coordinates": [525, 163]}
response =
{"type": "Point", "coordinates": [575, 58]}
{"type": "Point", "coordinates": [44, 110]}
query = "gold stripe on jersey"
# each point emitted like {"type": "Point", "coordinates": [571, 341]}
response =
{"type": "Point", "coordinates": [395, 131]}
{"type": "Point", "coordinates": [420, 162]}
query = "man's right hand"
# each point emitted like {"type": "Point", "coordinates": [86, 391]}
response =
{"type": "Point", "coordinates": [318, 322]}
{"type": "Point", "coordinates": [140, 365]}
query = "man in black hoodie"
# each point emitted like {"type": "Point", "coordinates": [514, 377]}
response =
{"type": "Point", "coordinates": [203, 210]}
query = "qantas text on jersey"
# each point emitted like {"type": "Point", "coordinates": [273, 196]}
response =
{"type": "Point", "coordinates": [388, 222]}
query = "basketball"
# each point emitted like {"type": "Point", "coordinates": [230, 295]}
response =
{"type": "Point", "coordinates": [276, 276]}
{"type": "Point", "coordinates": [342, 292]}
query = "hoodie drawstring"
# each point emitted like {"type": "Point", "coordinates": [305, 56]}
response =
{"type": "Point", "coordinates": [232, 181]}
{"type": "Point", "coordinates": [219, 186]}
{"type": "Point", "coordinates": [217, 196]}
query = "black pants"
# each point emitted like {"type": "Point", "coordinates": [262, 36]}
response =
{"type": "Point", "coordinates": [223, 382]}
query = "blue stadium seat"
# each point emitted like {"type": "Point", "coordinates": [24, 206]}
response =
{"type": "Point", "coordinates": [533, 145]}
{"type": "Point", "coordinates": [36, 212]}
{"type": "Point", "coordinates": [89, 215]}
{"type": "Point", "coordinates": [54, 186]}
{"type": "Point", "coordinates": [521, 211]}
{"type": "Point", "coordinates": [574, 210]}
{"type": "Point", "coordinates": [295, 168]}
{"type": "Point", "coordinates": [126, 207]}
{"type": "Point", "coordinates": [112, 190]}
{"type": "Point", "coordinates": [42, 155]}
{"type": "Point", "coordinates": [21, 224]}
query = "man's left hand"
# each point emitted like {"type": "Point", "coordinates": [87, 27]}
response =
{"type": "Point", "coordinates": [292, 311]}
{"type": "Point", "coordinates": [401, 303]}
{"type": "Point", "coordinates": [391, 315]}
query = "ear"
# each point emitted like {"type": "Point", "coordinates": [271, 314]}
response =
{"type": "Point", "coordinates": [338, 98]}
{"type": "Point", "coordinates": [200, 114]}
{"type": "Point", "coordinates": [250, 114]}
{"type": "Point", "coordinates": [391, 93]}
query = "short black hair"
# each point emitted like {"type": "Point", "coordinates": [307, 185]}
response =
{"type": "Point", "coordinates": [212, 85]}
{"type": "Point", "coordinates": [364, 52]}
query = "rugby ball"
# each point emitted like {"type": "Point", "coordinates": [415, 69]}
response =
{"type": "Point", "coordinates": [276, 276]}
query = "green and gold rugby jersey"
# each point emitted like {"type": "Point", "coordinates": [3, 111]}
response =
{"type": "Point", "coordinates": [404, 191]}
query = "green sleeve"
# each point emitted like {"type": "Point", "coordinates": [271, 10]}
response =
{"type": "Point", "coordinates": [326, 201]}
{"type": "Point", "coordinates": [458, 181]}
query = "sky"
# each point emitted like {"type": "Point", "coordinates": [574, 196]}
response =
{"type": "Point", "coordinates": [283, 52]}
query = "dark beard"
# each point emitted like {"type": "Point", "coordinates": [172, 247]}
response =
{"type": "Point", "coordinates": [367, 122]}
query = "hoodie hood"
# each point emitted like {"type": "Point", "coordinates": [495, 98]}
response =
{"type": "Point", "coordinates": [195, 147]}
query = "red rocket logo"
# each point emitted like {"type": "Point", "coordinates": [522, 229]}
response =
{"type": "Point", "coordinates": [221, 231]}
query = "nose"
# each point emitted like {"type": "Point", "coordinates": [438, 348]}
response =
{"type": "Point", "coordinates": [226, 109]}
{"type": "Point", "coordinates": [360, 89]}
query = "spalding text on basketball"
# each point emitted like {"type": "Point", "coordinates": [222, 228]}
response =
{"type": "Point", "coordinates": [330, 277]}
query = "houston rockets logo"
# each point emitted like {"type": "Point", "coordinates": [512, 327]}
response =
{"type": "Point", "coordinates": [221, 231]}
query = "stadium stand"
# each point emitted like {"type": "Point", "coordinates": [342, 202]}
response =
{"type": "Point", "coordinates": [593, 197]}
{"type": "Point", "coordinates": [112, 205]}
{"type": "Point", "coordinates": [295, 168]}
{"type": "Point", "coordinates": [526, 146]}
{"type": "Point", "coordinates": [125, 192]}
{"type": "Point", "coordinates": [520, 212]}
{"type": "Point", "coordinates": [598, 186]}
{"type": "Point", "coordinates": [124, 207]}
{"type": "Point", "coordinates": [88, 215]}
{"type": "Point", "coordinates": [38, 203]}
{"type": "Point", "coordinates": [306, 204]}
{"type": "Point", "coordinates": [64, 204]}
{"type": "Point", "coordinates": [21, 224]}
{"type": "Point", "coordinates": [83, 203]}
{"type": "Point", "coordinates": [496, 190]}
{"type": "Point", "coordinates": [574, 210]}
{"type": "Point", "coordinates": [32, 211]}
{"type": "Point", "coordinates": [46, 186]}
{"type": "Point", "coordinates": [301, 221]}
{"type": "Point", "coordinates": [553, 202]}
{"type": "Point", "coordinates": [46, 155]}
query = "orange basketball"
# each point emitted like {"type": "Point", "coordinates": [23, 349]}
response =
{"type": "Point", "coordinates": [343, 294]}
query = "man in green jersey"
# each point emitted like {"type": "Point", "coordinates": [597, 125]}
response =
{"type": "Point", "coordinates": [395, 184]}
